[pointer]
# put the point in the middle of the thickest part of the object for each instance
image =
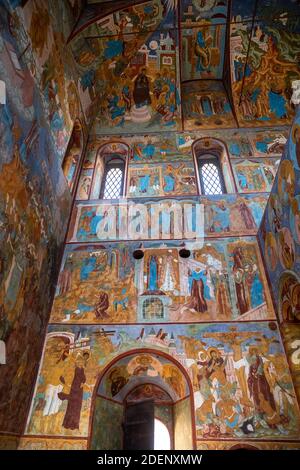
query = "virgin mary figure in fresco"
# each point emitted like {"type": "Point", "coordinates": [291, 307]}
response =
{"type": "Point", "coordinates": [141, 90]}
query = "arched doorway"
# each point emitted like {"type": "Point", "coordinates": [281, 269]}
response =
{"type": "Point", "coordinates": [140, 393]}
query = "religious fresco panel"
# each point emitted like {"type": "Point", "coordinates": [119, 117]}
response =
{"type": "Point", "coordinates": [34, 208]}
{"type": "Point", "coordinates": [51, 65]}
{"type": "Point", "coordinates": [161, 180]}
{"type": "Point", "coordinates": [132, 79]}
{"type": "Point", "coordinates": [195, 11]}
{"type": "Point", "coordinates": [226, 215]}
{"type": "Point", "coordinates": [202, 51]}
{"type": "Point", "coordinates": [260, 85]}
{"type": "Point", "coordinates": [140, 18]}
{"type": "Point", "coordinates": [255, 175]}
{"type": "Point", "coordinates": [227, 365]}
{"type": "Point", "coordinates": [205, 105]}
{"type": "Point", "coordinates": [268, 143]}
{"type": "Point", "coordinates": [249, 445]}
{"type": "Point", "coordinates": [124, 375]}
{"type": "Point", "coordinates": [42, 443]}
{"type": "Point", "coordinates": [177, 147]}
{"type": "Point", "coordinates": [223, 280]}
{"type": "Point", "coordinates": [279, 233]}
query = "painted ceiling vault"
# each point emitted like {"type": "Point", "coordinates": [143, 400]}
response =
{"type": "Point", "coordinates": [206, 63]}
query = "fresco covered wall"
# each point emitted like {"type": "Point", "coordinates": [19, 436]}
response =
{"type": "Point", "coordinates": [263, 61]}
{"type": "Point", "coordinates": [34, 199]}
{"type": "Point", "coordinates": [108, 304]}
{"type": "Point", "coordinates": [236, 410]}
{"type": "Point", "coordinates": [280, 244]}
{"type": "Point", "coordinates": [41, 30]}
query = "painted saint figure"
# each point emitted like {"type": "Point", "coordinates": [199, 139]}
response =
{"type": "Point", "coordinates": [238, 271]}
{"type": "Point", "coordinates": [75, 396]}
{"type": "Point", "coordinates": [258, 385]}
{"type": "Point", "coordinates": [141, 91]}
{"type": "Point", "coordinates": [199, 290]}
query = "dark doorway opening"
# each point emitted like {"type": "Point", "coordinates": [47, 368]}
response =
{"type": "Point", "coordinates": [138, 426]}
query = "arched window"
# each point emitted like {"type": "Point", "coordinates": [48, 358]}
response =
{"type": "Point", "coordinates": [213, 168]}
{"type": "Point", "coordinates": [210, 175]}
{"type": "Point", "coordinates": [113, 178]}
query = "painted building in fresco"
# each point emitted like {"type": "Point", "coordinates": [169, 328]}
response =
{"type": "Point", "coordinates": [167, 291]}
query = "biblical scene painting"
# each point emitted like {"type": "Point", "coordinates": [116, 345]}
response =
{"type": "Point", "coordinates": [280, 232]}
{"type": "Point", "coordinates": [128, 66]}
{"type": "Point", "coordinates": [34, 207]}
{"type": "Point", "coordinates": [203, 30]}
{"type": "Point", "coordinates": [224, 280]}
{"type": "Point", "coordinates": [268, 143]}
{"type": "Point", "coordinates": [42, 29]}
{"type": "Point", "coordinates": [161, 180]}
{"type": "Point", "coordinates": [229, 215]}
{"type": "Point", "coordinates": [255, 175]}
{"type": "Point", "coordinates": [262, 71]}
{"type": "Point", "coordinates": [176, 148]}
{"type": "Point", "coordinates": [206, 105]}
{"type": "Point", "coordinates": [240, 379]}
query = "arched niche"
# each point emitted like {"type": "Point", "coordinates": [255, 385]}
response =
{"type": "Point", "coordinates": [73, 156]}
{"type": "Point", "coordinates": [243, 447]}
{"type": "Point", "coordinates": [141, 375]}
{"type": "Point", "coordinates": [106, 152]}
{"type": "Point", "coordinates": [214, 147]}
